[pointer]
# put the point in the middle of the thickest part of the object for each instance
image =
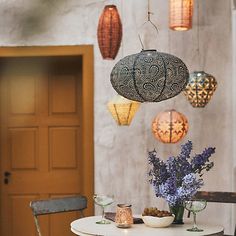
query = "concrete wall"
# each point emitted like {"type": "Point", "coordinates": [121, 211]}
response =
{"type": "Point", "coordinates": [121, 152]}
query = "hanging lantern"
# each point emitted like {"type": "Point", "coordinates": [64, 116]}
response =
{"type": "Point", "coordinates": [109, 32]}
{"type": "Point", "coordinates": [170, 126]}
{"type": "Point", "coordinates": [181, 14]}
{"type": "Point", "coordinates": [149, 76]}
{"type": "Point", "coordinates": [122, 110]}
{"type": "Point", "coordinates": [200, 88]}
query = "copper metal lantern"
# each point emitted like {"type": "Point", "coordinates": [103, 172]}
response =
{"type": "Point", "coordinates": [170, 126]}
{"type": "Point", "coordinates": [149, 76]}
{"type": "Point", "coordinates": [109, 32]}
{"type": "Point", "coordinates": [180, 14]}
{"type": "Point", "coordinates": [200, 88]}
{"type": "Point", "coordinates": [122, 110]}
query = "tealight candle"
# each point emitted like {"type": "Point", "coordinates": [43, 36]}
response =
{"type": "Point", "coordinates": [124, 217]}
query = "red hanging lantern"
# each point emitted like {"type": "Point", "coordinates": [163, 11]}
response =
{"type": "Point", "coordinates": [109, 32]}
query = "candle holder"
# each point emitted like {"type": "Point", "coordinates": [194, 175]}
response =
{"type": "Point", "coordinates": [124, 217]}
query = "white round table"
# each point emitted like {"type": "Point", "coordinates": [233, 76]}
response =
{"type": "Point", "coordinates": [87, 226]}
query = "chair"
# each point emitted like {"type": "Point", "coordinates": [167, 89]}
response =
{"type": "Point", "coordinates": [57, 205]}
{"type": "Point", "coordinates": [219, 197]}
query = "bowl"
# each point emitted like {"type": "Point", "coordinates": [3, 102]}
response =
{"type": "Point", "coordinates": [158, 222]}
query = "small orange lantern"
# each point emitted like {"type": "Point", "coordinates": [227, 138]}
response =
{"type": "Point", "coordinates": [170, 126]}
{"type": "Point", "coordinates": [181, 14]}
{"type": "Point", "coordinates": [109, 32]}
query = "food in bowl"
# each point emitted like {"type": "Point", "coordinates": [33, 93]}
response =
{"type": "Point", "coordinates": [153, 211]}
{"type": "Point", "coordinates": [153, 217]}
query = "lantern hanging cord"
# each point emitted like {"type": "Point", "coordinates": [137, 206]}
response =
{"type": "Point", "coordinates": [149, 13]}
{"type": "Point", "coordinates": [198, 37]}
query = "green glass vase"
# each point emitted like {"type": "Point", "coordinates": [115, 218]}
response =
{"type": "Point", "coordinates": [178, 211]}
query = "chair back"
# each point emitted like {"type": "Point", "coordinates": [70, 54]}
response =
{"type": "Point", "coordinates": [219, 197]}
{"type": "Point", "coordinates": [57, 205]}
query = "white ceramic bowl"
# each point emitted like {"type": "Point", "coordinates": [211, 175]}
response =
{"type": "Point", "coordinates": [158, 222]}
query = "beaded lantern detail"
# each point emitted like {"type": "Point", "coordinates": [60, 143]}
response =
{"type": "Point", "coordinates": [109, 32]}
{"type": "Point", "coordinates": [122, 110]}
{"type": "Point", "coordinates": [200, 88]}
{"type": "Point", "coordinates": [170, 126]}
{"type": "Point", "coordinates": [180, 14]}
{"type": "Point", "coordinates": [149, 76]}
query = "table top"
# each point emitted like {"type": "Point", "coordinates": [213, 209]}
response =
{"type": "Point", "coordinates": [87, 226]}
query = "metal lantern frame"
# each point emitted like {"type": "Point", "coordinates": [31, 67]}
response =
{"type": "Point", "coordinates": [149, 76]}
{"type": "Point", "coordinates": [200, 88]}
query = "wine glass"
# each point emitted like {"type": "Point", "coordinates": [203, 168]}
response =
{"type": "Point", "coordinates": [195, 206]}
{"type": "Point", "coordinates": [103, 201]}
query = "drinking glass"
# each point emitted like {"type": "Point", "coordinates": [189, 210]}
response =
{"type": "Point", "coordinates": [103, 201]}
{"type": "Point", "coordinates": [195, 206]}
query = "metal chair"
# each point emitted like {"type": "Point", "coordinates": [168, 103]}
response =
{"type": "Point", "coordinates": [220, 197]}
{"type": "Point", "coordinates": [57, 205]}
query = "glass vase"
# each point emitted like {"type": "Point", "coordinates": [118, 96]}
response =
{"type": "Point", "coordinates": [178, 211]}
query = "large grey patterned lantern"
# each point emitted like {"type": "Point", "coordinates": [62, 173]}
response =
{"type": "Point", "coordinates": [149, 76]}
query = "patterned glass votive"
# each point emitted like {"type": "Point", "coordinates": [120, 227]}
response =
{"type": "Point", "coordinates": [124, 217]}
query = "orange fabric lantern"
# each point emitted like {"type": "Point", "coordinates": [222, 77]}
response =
{"type": "Point", "coordinates": [170, 126]}
{"type": "Point", "coordinates": [180, 14]}
{"type": "Point", "coordinates": [109, 32]}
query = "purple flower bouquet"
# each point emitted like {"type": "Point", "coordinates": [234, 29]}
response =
{"type": "Point", "coordinates": [179, 178]}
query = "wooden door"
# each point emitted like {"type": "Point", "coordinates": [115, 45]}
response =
{"type": "Point", "coordinates": [41, 140]}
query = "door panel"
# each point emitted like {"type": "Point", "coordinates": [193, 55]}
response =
{"type": "Point", "coordinates": [66, 218]}
{"type": "Point", "coordinates": [63, 147]}
{"type": "Point", "coordinates": [40, 140]}
{"type": "Point", "coordinates": [23, 144]}
{"type": "Point", "coordinates": [22, 92]}
{"type": "Point", "coordinates": [63, 94]}
{"type": "Point", "coordinates": [21, 218]}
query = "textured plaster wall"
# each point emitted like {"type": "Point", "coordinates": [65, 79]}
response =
{"type": "Point", "coordinates": [121, 152]}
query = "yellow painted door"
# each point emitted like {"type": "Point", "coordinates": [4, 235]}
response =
{"type": "Point", "coordinates": [40, 140]}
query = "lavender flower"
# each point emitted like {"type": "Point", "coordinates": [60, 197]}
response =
{"type": "Point", "coordinates": [201, 161]}
{"type": "Point", "coordinates": [189, 179]}
{"type": "Point", "coordinates": [186, 149]}
{"type": "Point", "coordinates": [159, 172]}
{"type": "Point", "coordinates": [179, 178]}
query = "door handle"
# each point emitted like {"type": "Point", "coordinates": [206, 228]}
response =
{"type": "Point", "coordinates": [6, 177]}
{"type": "Point", "coordinates": [7, 174]}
